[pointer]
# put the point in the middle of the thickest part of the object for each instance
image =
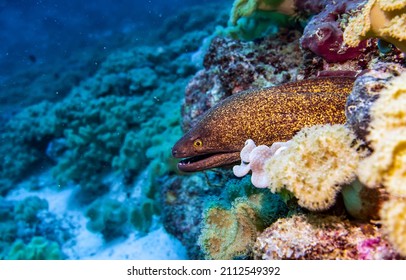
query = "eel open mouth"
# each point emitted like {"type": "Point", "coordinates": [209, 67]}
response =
{"type": "Point", "coordinates": [203, 162]}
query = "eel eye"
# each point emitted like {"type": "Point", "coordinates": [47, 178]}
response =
{"type": "Point", "coordinates": [198, 143]}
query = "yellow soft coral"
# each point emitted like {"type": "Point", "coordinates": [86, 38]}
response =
{"type": "Point", "coordinates": [379, 18]}
{"type": "Point", "coordinates": [245, 8]}
{"type": "Point", "coordinates": [228, 233]}
{"type": "Point", "coordinates": [393, 217]}
{"type": "Point", "coordinates": [317, 162]}
{"type": "Point", "coordinates": [387, 164]}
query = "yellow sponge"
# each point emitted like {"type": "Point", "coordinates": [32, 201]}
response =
{"type": "Point", "coordinates": [379, 18]}
{"type": "Point", "coordinates": [318, 161]}
{"type": "Point", "coordinates": [387, 164]}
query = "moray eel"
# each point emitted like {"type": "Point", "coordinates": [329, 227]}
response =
{"type": "Point", "coordinates": [266, 116]}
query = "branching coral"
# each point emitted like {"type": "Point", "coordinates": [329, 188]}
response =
{"type": "Point", "coordinates": [315, 164]}
{"type": "Point", "coordinates": [379, 18]}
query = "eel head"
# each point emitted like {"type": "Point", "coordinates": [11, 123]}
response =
{"type": "Point", "coordinates": [201, 151]}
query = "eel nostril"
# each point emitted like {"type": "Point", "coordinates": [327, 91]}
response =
{"type": "Point", "coordinates": [174, 152]}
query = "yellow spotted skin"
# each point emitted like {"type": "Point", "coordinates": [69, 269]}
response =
{"type": "Point", "coordinates": [266, 116]}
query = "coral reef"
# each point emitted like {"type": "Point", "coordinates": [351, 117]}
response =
{"type": "Point", "coordinates": [378, 18]}
{"type": "Point", "coordinates": [182, 200]}
{"type": "Point", "coordinates": [231, 66]}
{"type": "Point", "coordinates": [119, 112]}
{"type": "Point", "coordinates": [107, 141]}
{"type": "Point", "coordinates": [393, 214]}
{"type": "Point", "coordinates": [28, 230]}
{"type": "Point", "coordinates": [316, 237]}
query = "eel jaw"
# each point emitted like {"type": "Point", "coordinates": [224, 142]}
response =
{"type": "Point", "coordinates": [203, 162]}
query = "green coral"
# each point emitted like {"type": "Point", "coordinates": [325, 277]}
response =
{"type": "Point", "coordinates": [38, 248]}
{"type": "Point", "coordinates": [23, 143]}
{"type": "Point", "coordinates": [252, 19]}
{"type": "Point", "coordinates": [141, 215]}
{"type": "Point", "coordinates": [27, 209]}
{"type": "Point", "coordinates": [259, 24]}
{"type": "Point", "coordinates": [246, 8]}
{"type": "Point", "coordinates": [107, 216]}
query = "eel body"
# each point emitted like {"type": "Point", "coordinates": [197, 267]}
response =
{"type": "Point", "coordinates": [266, 116]}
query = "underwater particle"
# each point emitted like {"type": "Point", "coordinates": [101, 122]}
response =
{"type": "Point", "coordinates": [387, 137]}
{"type": "Point", "coordinates": [316, 237]}
{"type": "Point", "coordinates": [378, 19]}
{"type": "Point", "coordinates": [393, 218]}
{"type": "Point", "coordinates": [317, 162]}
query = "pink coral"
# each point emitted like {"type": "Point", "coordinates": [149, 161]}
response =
{"type": "Point", "coordinates": [323, 35]}
{"type": "Point", "coordinates": [254, 158]}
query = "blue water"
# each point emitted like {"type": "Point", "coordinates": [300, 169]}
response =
{"type": "Point", "coordinates": [39, 31]}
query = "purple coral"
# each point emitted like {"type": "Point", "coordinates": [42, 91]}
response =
{"type": "Point", "coordinates": [375, 248]}
{"type": "Point", "coordinates": [323, 34]}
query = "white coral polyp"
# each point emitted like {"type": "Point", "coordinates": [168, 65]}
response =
{"type": "Point", "coordinates": [243, 169]}
{"type": "Point", "coordinates": [253, 158]}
